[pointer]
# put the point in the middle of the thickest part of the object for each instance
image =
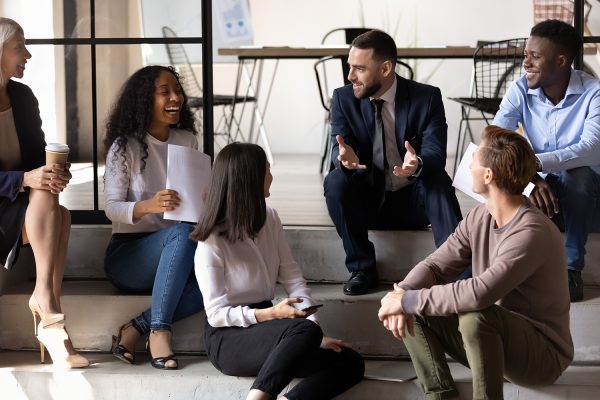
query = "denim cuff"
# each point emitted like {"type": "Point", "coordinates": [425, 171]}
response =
{"type": "Point", "coordinates": [140, 324]}
{"type": "Point", "coordinates": [160, 326]}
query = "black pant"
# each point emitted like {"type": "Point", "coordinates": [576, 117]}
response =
{"type": "Point", "coordinates": [280, 350]}
{"type": "Point", "coordinates": [354, 208]}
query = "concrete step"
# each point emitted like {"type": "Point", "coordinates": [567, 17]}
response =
{"type": "Point", "coordinates": [317, 250]}
{"type": "Point", "coordinates": [95, 310]}
{"type": "Point", "coordinates": [23, 378]}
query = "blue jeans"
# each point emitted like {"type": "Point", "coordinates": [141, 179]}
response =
{"type": "Point", "coordinates": [577, 191]}
{"type": "Point", "coordinates": [161, 261]}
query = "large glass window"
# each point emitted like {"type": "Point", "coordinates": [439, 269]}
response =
{"type": "Point", "coordinates": [82, 53]}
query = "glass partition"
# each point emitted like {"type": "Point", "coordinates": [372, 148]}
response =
{"type": "Point", "coordinates": [82, 52]}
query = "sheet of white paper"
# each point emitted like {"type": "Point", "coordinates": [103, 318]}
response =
{"type": "Point", "coordinates": [386, 371]}
{"type": "Point", "coordinates": [463, 181]}
{"type": "Point", "coordinates": [188, 173]}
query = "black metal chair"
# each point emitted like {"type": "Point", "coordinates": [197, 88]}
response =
{"type": "Point", "coordinates": [325, 90]}
{"type": "Point", "coordinates": [495, 66]}
{"type": "Point", "coordinates": [225, 125]}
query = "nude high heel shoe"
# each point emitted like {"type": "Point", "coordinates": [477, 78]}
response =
{"type": "Point", "coordinates": [46, 319]}
{"type": "Point", "coordinates": [54, 338]}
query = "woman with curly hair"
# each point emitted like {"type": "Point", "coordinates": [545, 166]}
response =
{"type": "Point", "coordinates": [147, 252]}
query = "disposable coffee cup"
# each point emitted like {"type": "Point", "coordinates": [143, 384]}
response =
{"type": "Point", "coordinates": [57, 153]}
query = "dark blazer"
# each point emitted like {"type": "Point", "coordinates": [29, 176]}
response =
{"type": "Point", "coordinates": [26, 114]}
{"type": "Point", "coordinates": [420, 119]}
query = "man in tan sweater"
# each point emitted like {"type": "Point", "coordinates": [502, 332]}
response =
{"type": "Point", "coordinates": [511, 319]}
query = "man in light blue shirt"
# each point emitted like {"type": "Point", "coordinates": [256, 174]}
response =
{"type": "Point", "coordinates": [559, 109]}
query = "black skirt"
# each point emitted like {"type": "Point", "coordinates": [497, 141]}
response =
{"type": "Point", "coordinates": [12, 218]}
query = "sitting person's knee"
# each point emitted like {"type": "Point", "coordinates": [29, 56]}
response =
{"type": "Point", "coordinates": [470, 324]}
{"type": "Point", "coordinates": [182, 232]}
{"type": "Point", "coordinates": [311, 333]}
{"type": "Point", "coordinates": [39, 197]}
{"type": "Point", "coordinates": [437, 181]}
{"type": "Point", "coordinates": [576, 178]}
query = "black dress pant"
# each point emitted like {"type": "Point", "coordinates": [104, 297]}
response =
{"type": "Point", "coordinates": [280, 350]}
{"type": "Point", "coordinates": [354, 207]}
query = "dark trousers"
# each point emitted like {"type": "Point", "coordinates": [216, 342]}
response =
{"type": "Point", "coordinates": [280, 350]}
{"type": "Point", "coordinates": [354, 207]}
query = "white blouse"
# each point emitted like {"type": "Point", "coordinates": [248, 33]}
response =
{"type": "Point", "coordinates": [233, 275]}
{"type": "Point", "coordinates": [125, 184]}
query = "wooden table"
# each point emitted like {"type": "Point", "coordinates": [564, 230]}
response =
{"type": "Point", "coordinates": [254, 57]}
{"type": "Point", "coordinates": [261, 53]}
{"type": "Point", "coordinates": [250, 64]}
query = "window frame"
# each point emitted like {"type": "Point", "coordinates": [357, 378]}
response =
{"type": "Point", "coordinates": [97, 216]}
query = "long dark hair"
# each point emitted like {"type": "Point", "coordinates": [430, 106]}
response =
{"type": "Point", "coordinates": [132, 113]}
{"type": "Point", "coordinates": [236, 205]}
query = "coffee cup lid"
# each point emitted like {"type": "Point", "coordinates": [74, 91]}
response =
{"type": "Point", "coordinates": [57, 147]}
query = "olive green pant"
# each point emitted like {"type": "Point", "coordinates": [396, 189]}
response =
{"type": "Point", "coordinates": [495, 343]}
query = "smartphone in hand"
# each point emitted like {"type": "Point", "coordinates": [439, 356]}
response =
{"type": "Point", "coordinates": [312, 308]}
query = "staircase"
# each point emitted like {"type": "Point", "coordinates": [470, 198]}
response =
{"type": "Point", "coordinates": [95, 310]}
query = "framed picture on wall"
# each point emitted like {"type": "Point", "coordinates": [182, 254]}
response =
{"type": "Point", "coordinates": [231, 21]}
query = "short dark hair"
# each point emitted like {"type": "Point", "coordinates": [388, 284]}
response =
{"type": "Point", "coordinates": [509, 156]}
{"type": "Point", "coordinates": [384, 47]}
{"type": "Point", "coordinates": [561, 34]}
{"type": "Point", "coordinates": [235, 207]}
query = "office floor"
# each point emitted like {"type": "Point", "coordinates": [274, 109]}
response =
{"type": "Point", "coordinates": [296, 192]}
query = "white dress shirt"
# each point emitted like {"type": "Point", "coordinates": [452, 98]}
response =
{"type": "Point", "coordinates": [125, 183]}
{"type": "Point", "coordinates": [233, 275]}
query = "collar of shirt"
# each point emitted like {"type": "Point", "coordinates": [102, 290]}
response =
{"type": "Point", "coordinates": [575, 87]}
{"type": "Point", "coordinates": [390, 95]}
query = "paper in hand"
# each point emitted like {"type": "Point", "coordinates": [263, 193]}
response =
{"type": "Point", "coordinates": [464, 182]}
{"type": "Point", "coordinates": [188, 173]}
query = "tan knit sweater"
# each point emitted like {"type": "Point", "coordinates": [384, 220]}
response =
{"type": "Point", "coordinates": [521, 267]}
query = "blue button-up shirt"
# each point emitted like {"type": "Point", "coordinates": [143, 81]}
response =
{"type": "Point", "coordinates": [563, 136]}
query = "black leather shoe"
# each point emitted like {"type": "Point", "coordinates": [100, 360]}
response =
{"type": "Point", "coordinates": [575, 285]}
{"type": "Point", "coordinates": [361, 282]}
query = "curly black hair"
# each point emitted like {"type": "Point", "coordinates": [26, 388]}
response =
{"type": "Point", "coordinates": [131, 115]}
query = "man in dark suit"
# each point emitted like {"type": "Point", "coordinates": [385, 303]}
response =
{"type": "Point", "coordinates": [388, 158]}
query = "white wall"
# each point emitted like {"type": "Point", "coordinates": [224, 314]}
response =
{"type": "Point", "coordinates": [294, 116]}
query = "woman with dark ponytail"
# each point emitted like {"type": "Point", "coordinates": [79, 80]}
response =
{"type": "Point", "coordinates": [241, 254]}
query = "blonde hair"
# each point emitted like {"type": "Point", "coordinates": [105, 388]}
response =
{"type": "Point", "coordinates": [8, 28]}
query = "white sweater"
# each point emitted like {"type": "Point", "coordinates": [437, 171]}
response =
{"type": "Point", "coordinates": [233, 275]}
{"type": "Point", "coordinates": [125, 184]}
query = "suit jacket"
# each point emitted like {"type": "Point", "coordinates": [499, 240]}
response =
{"type": "Point", "coordinates": [420, 119]}
{"type": "Point", "coordinates": [26, 114]}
